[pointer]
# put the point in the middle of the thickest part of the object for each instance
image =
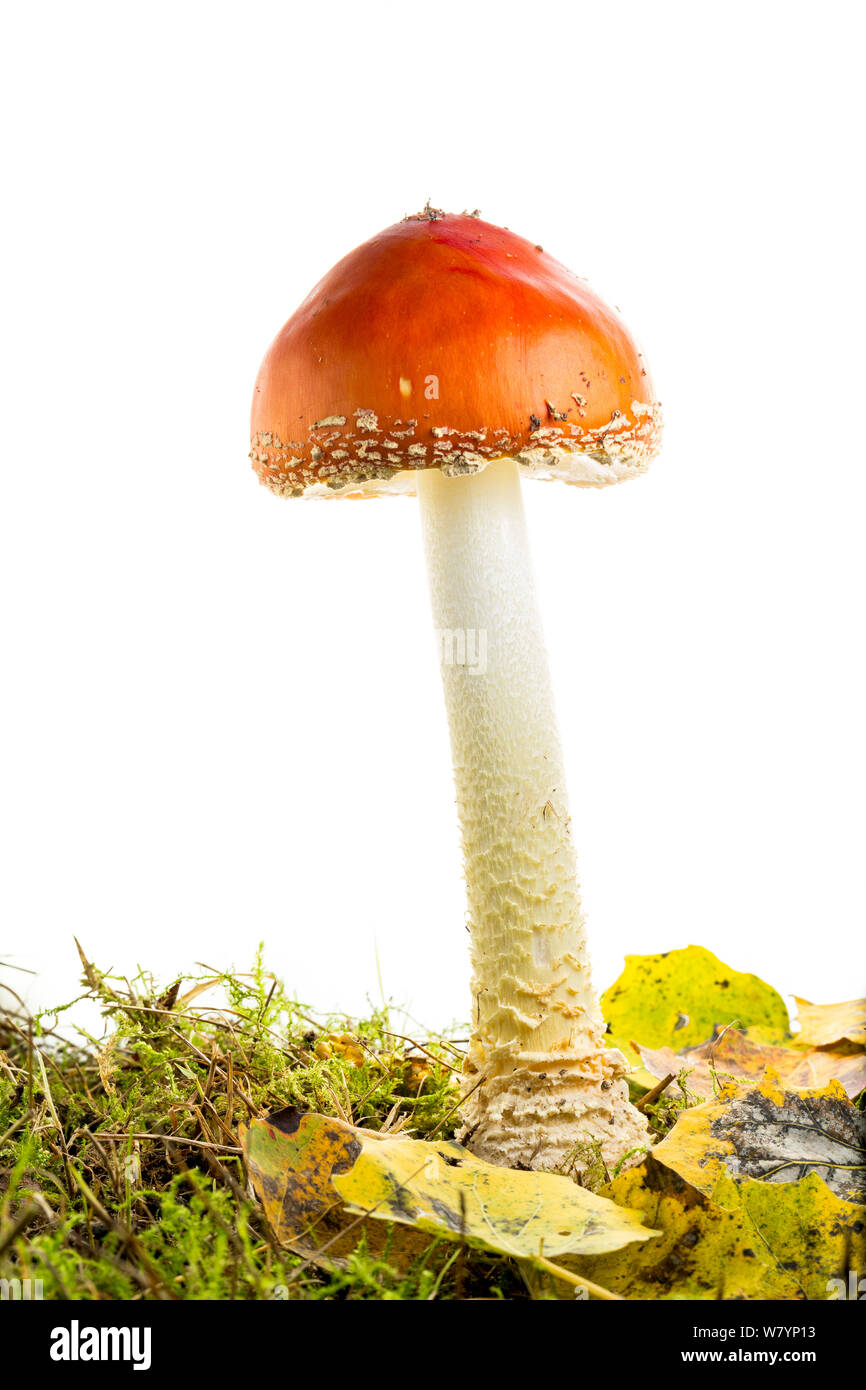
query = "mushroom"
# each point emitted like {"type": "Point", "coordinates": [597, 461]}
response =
{"type": "Point", "coordinates": [445, 358]}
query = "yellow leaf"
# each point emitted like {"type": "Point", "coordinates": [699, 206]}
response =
{"type": "Point", "coordinates": [322, 1182]}
{"type": "Point", "coordinates": [770, 1134]}
{"type": "Point", "coordinates": [764, 1241]}
{"type": "Point", "coordinates": [291, 1159]}
{"type": "Point", "coordinates": [443, 1188]}
{"type": "Point", "coordinates": [827, 1025]}
{"type": "Point", "coordinates": [676, 999]}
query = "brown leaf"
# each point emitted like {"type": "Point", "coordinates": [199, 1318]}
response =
{"type": "Point", "coordinates": [828, 1025]}
{"type": "Point", "coordinates": [169, 998]}
{"type": "Point", "coordinates": [733, 1053]}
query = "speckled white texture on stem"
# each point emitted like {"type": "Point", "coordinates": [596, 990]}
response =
{"type": "Point", "coordinates": [551, 1087]}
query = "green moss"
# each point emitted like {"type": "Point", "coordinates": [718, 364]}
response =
{"type": "Point", "coordinates": [120, 1173]}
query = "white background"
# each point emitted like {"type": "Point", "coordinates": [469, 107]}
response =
{"type": "Point", "coordinates": [222, 719]}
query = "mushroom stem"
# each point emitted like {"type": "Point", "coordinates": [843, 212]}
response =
{"type": "Point", "coordinates": [550, 1085]}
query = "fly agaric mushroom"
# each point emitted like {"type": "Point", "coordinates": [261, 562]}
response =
{"type": "Point", "coordinates": [444, 358]}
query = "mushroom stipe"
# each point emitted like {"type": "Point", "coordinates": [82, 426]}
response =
{"type": "Point", "coordinates": [482, 359]}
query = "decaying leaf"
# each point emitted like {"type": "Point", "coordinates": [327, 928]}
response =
{"type": "Point", "coordinates": [733, 1053]}
{"type": "Point", "coordinates": [829, 1025]}
{"type": "Point", "coordinates": [768, 1133]}
{"type": "Point", "coordinates": [755, 1240]}
{"type": "Point", "coordinates": [292, 1158]}
{"type": "Point", "coordinates": [315, 1176]}
{"type": "Point", "coordinates": [443, 1188]}
{"type": "Point", "coordinates": [803, 1227]}
{"type": "Point", "coordinates": [678, 998]}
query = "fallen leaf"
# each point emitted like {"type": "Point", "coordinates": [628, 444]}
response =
{"type": "Point", "coordinates": [292, 1158]}
{"type": "Point", "coordinates": [755, 1240]}
{"type": "Point", "coordinates": [803, 1229]}
{"type": "Point", "coordinates": [443, 1188]}
{"type": "Point", "coordinates": [314, 1175]}
{"type": "Point", "coordinates": [733, 1053]}
{"type": "Point", "coordinates": [771, 1134]}
{"type": "Point", "coordinates": [828, 1025]}
{"type": "Point", "coordinates": [678, 998]}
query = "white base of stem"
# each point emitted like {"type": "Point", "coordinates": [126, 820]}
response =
{"type": "Point", "coordinates": [556, 1120]}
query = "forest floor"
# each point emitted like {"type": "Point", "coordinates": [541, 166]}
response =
{"type": "Point", "coordinates": [121, 1171]}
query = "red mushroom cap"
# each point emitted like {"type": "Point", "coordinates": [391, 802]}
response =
{"type": "Point", "coordinates": [445, 342]}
